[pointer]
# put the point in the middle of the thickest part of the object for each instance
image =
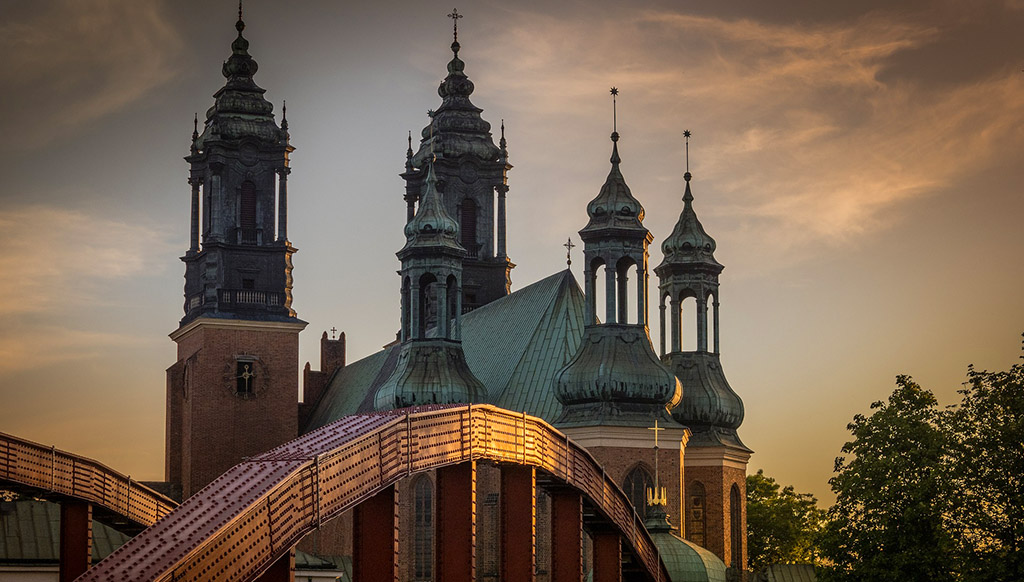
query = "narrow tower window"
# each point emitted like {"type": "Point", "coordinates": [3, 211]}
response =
{"type": "Point", "coordinates": [247, 213]}
{"type": "Point", "coordinates": [467, 226]}
{"type": "Point", "coordinates": [636, 484]}
{"type": "Point", "coordinates": [423, 530]}
{"type": "Point", "coordinates": [245, 377]}
{"type": "Point", "coordinates": [695, 518]}
{"type": "Point", "coordinates": [736, 529]}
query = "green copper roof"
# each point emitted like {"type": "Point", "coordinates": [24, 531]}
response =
{"type": "Point", "coordinates": [30, 534]}
{"type": "Point", "coordinates": [689, 243]}
{"type": "Point", "coordinates": [513, 345]}
{"type": "Point", "coordinates": [684, 560]}
{"type": "Point", "coordinates": [615, 207]}
{"type": "Point", "coordinates": [432, 226]}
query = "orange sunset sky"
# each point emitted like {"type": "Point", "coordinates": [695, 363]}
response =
{"type": "Point", "coordinates": [860, 165]}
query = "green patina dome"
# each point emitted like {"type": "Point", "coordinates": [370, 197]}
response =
{"type": "Point", "coordinates": [684, 560]}
{"type": "Point", "coordinates": [689, 242]}
{"type": "Point", "coordinates": [432, 225]}
{"type": "Point", "coordinates": [615, 207]}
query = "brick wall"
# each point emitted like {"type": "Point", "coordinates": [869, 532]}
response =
{"type": "Point", "coordinates": [218, 426]}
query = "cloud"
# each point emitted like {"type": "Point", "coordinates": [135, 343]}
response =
{"type": "Point", "coordinates": [803, 141]}
{"type": "Point", "coordinates": [55, 257]}
{"type": "Point", "coordinates": [28, 347]}
{"type": "Point", "coordinates": [73, 61]}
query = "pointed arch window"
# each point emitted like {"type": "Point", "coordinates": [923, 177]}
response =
{"type": "Point", "coordinates": [423, 530]}
{"type": "Point", "coordinates": [247, 212]}
{"type": "Point", "coordinates": [635, 485]}
{"type": "Point", "coordinates": [736, 529]}
{"type": "Point", "coordinates": [696, 506]}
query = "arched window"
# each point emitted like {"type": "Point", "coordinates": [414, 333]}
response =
{"type": "Point", "coordinates": [736, 529]}
{"type": "Point", "coordinates": [427, 303]}
{"type": "Point", "coordinates": [635, 485]}
{"type": "Point", "coordinates": [247, 212]}
{"type": "Point", "coordinates": [688, 319]}
{"type": "Point", "coordinates": [423, 530]}
{"type": "Point", "coordinates": [696, 504]}
{"type": "Point", "coordinates": [467, 226]}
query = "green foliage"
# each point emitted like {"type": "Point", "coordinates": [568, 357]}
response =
{"type": "Point", "coordinates": [782, 525]}
{"type": "Point", "coordinates": [986, 472]}
{"type": "Point", "coordinates": [887, 522]}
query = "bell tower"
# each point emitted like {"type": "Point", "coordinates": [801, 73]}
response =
{"type": "Point", "coordinates": [233, 391]}
{"type": "Point", "coordinates": [716, 459]}
{"type": "Point", "coordinates": [472, 176]}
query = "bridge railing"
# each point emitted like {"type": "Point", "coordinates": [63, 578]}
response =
{"type": "Point", "coordinates": [50, 471]}
{"type": "Point", "coordinates": [243, 521]}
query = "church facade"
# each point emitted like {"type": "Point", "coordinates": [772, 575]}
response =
{"type": "Point", "coordinates": [546, 349]}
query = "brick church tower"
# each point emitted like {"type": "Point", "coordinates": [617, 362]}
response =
{"type": "Point", "coordinates": [615, 390]}
{"type": "Point", "coordinates": [233, 391]}
{"type": "Point", "coordinates": [472, 178]}
{"type": "Point", "coordinates": [716, 459]}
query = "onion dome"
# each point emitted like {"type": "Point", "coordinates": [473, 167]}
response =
{"type": "Point", "coordinates": [615, 207]}
{"type": "Point", "coordinates": [684, 560]}
{"type": "Point", "coordinates": [709, 404]}
{"type": "Point", "coordinates": [456, 127]}
{"type": "Point", "coordinates": [240, 110]}
{"type": "Point", "coordinates": [615, 379]}
{"type": "Point", "coordinates": [689, 242]}
{"type": "Point", "coordinates": [432, 225]}
{"type": "Point", "coordinates": [430, 371]}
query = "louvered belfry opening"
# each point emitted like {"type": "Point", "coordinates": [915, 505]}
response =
{"type": "Point", "coordinates": [247, 213]}
{"type": "Point", "coordinates": [467, 226]}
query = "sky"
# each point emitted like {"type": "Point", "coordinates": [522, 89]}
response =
{"type": "Point", "coordinates": [859, 165]}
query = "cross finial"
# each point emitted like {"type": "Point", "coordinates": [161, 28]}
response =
{"type": "Point", "coordinates": [568, 251]}
{"type": "Point", "coordinates": [455, 16]}
{"type": "Point", "coordinates": [656, 495]}
{"type": "Point", "coordinates": [656, 430]}
{"type": "Point", "coordinates": [334, 330]}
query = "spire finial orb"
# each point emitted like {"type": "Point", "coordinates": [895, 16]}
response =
{"type": "Point", "coordinates": [455, 16]}
{"type": "Point", "coordinates": [240, 25]}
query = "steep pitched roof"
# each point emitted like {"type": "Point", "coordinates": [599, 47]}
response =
{"type": "Point", "coordinates": [513, 345]}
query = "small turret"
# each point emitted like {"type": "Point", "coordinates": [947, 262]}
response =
{"type": "Point", "coordinates": [432, 367]}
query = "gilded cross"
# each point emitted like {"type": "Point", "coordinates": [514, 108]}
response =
{"type": "Point", "coordinates": [568, 251]}
{"type": "Point", "coordinates": [455, 16]}
{"type": "Point", "coordinates": [656, 430]}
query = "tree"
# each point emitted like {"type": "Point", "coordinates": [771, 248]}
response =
{"type": "Point", "coordinates": [986, 474]}
{"type": "Point", "coordinates": [887, 522]}
{"type": "Point", "coordinates": [782, 525]}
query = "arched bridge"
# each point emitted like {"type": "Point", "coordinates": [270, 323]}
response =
{"type": "Point", "coordinates": [245, 524]}
{"type": "Point", "coordinates": [85, 489]}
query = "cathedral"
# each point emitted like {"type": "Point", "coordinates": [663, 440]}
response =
{"type": "Point", "coordinates": [662, 423]}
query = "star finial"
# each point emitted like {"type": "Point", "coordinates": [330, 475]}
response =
{"type": "Point", "coordinates": [568, 251]}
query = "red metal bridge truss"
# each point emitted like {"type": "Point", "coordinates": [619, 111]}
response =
{"type": "Point", "coordinates": [244, 525]}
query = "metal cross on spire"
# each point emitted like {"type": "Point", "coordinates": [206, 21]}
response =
{"type": "Point", "coordinates": [568, 251]}
{"type": "Point", "coordinates": [656, 495]}
{"type": "Point", "coordinates": [455, 16]}
{"type": "Point", "coordinates": [334, 330]}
